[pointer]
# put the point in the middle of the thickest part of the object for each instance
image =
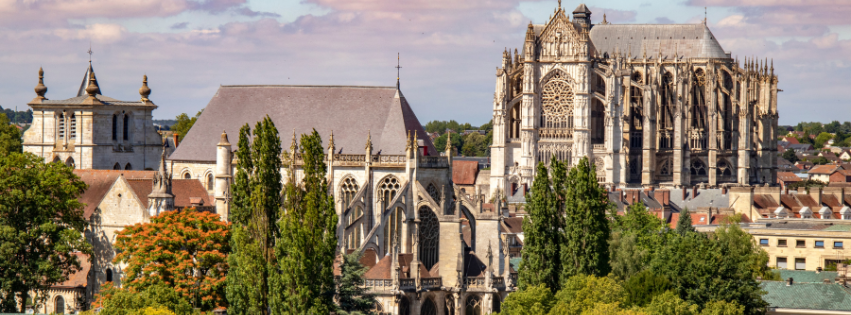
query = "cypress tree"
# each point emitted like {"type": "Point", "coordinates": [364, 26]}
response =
{"type": "Point", "coordinates": [540, 263]}
{"type": "Point", "coordinates": [351, 292]}
{"type": "Point", "coordinates": [684, 223]}
{"type": "Point", "coordinates": [255, 206]}
{"type": "Point", "coordinates": [586, 232]}
{"type": "Point", "coordinates": [304, 281]}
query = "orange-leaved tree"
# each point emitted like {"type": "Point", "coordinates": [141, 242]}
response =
{"type": "Point", "coordinates": [185, 249]}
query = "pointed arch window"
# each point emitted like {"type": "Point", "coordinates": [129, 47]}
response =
{"type": "Point", "coordinates": [393, 228]}
{"type": "Point", "coordinates": [73, 129]}
{"type": "Point", "coordinates": [209, 181]}
{"type": "Point", "coordinates": [59, 305]}
{"type": "Point", "coordinates": [70, 162]}
{"type": "Point", "coordinates": [387, 190]}
{"type": "Point", "coordinates": [128, 167]}
{"type": "Point", "coordinates": [60, 128]}
{"type": "Point", "coordinates": [474, 305]}
{"type": "Point", "coordinates": [348, 190]}
{"type": "Point", "coordinates": [114, 127]}
{"type": "Point", "coordinates": [126, 127]}
{"type": "Point", "coordinates": [428, 308]}
{"type": "Point", "coordinates": [698, 104]}
{"type": "Point", "coordinates": [432, 191]}
{"type": "Point", "coordinates": [698, 168]}
{"type": "Point", "coordinates": [557, 103]}
{"type": "Point", "coordinates": [116, 166]}
{"type": "Point", "coordinates": [404, 306]}
{"type": "Point", "coordinates": [355, 236]}
{"type": "Point", "coordinates": [187, 176]}
{"type": "Point", "coordinates": [429, 237]}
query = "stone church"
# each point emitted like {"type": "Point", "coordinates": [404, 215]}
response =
{"type": "Point", "coordinates": [658, 104]}
{"type": "Point", "coordinates": [430, 246]}
{"type": "Point", "coordinates": [93, 131]}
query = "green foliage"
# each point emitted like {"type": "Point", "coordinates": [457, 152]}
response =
{"type": "Point", "coordinates": [441, 126]}
{"type": "Point", "coordinates": [540, 263]}
{"type": "Point", "coordinates": [582, 292]}
{"type": "Point", "coordinates": [476, 145]}
{"type": "Point", "coordinates": [157, 299]}
{"type": "Point", "coordinates": [304, 281]}
{"type": "Point", "coordinates": [18, 117]}
{"type": "Point", "coordinates": [457, 142]}
{"type": "Point", "coordinates": [723, 308]}
{"type": "Point", "coordinates": [704, 269]}
{"type": "Point", "coordinates": [10, 137]}
{"type": "Point", "coordinates": [627, 257]}
{"type": "Point", "coordinates": [586, 228]}
{"type": "Point", "coordinates": [669, 303]}
{"type": "Point", "coordinates": [254, 212]}
{"type": "Point", "coordinates": [473, 144]}
{"type": "Point", "coordinates": [822, 139]}
{"type": "Point", "coordinates": [808, 183]}
{"type": "Point", "coordinates": [637, 236]}
{"type": "Point", "coordinates": [820, 160]}
{"type": "Point", "coordinates": [643, 287]}
{"type": "Point", "coordinates": [184, 123]}
{"type": "Point", "coordinates": [41, 226]}
{"type": "Point", "coordinates": [351, 293]}
{"type": "Point", "coordinates": [684, 223]}
{"type": "Point", "coordinates": [790, 156]}
{"type": "Point", "coordinates": [533, 300]}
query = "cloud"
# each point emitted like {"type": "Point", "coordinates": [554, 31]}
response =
{"type": "Point", "coordinates": [614, 16]}
{"type": "Point", "coordinates": [663, 20]}
{"type": "Point", "coordinates": [179, 26]}
{"type": "Point", "coordinates": [98, 32]}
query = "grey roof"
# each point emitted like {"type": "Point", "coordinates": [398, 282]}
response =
{"type": "Point", "coordinates": [106, 100]}
{"type": "Point", "coordinates": [686, 40]}
{"type": "Point", "coordinates": [349, 111]}
{"type": "Point", "coordinates": [807, 296]}
{"type": "Point", "coordinates": [582, 9]}
{"type": "Point", "coordinates": [85, 83]}
{"type": "Point", "coordinates": [705, 198]}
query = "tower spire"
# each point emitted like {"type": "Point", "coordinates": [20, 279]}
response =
{"type": "Point", "coordinates": [398, 67]}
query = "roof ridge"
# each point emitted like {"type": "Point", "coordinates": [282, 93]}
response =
{"type": "Point", "coordinates": [311, 86]}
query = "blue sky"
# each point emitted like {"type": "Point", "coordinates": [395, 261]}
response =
{"type": "Point", "coordinates": [449, 49]}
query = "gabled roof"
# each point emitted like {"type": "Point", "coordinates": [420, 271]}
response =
{"type": "Point", "coordinates": [791, 140]}
{"type": "Point", "coordinates": [350, 111]}
{"type": "Point", "coordinates": [100, 181]}
{"type": "Point", "coordinates": [684, 40]}
{"type": "Point", "coordinates": [184, 190]}
{"type": "Point", "coordinates": [788, 177]}
{"type": "Point", "coordinates": [79, 279]}
{"type": "Point", "coordinates": [513, 224]}
{"type": "Point", "coordinates": [464, 172]}
{"type": "Point", "coordinates": [825, 169]}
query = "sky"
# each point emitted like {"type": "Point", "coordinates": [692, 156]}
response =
{"type": "Point", "coordinates": [448, 49]}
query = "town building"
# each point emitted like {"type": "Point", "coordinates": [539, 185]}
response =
{"type": "Point", "coordinates": [93, 131]}
{"type": "Point", "coordinates": [799, 244]}
{"type": "Point", "coordinates": [647, 104]}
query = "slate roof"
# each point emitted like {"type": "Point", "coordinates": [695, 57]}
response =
{"type": "Point", "coordinates": [805, 276]}
{"type": "Point", "coordinates": [464, 172]}
{"type": "Point", "coordinates": [513, 224]}
{"type": "Point", "coordinates": [686, 40]}
{"type": "Point", "coordinates": [807, 296]}
{"type": "Point", "coordinates": [350, 111]}
{"type": "Point", "coordinates": [78, 100]}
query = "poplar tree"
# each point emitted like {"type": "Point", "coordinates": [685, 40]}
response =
{"type": "Point", "coordinates": [585, 249]}
{"type": "Point", "coordinates": [540, 263]}
{"type": "Point", "coordinates": [255, 211]}
{"type": "Point", "coordinates": [303, 280]}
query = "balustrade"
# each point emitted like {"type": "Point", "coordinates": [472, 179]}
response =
{"type": "Point", "coordinates": [433, 162]}
{"type": "Point", "coordinates": [396, 160]}
{"type": "Point", "coordinates": [555, 133]}
{"type": "Point", "coordinates": [474, 282]}
{"type": "Point", "coordinates": [429, 283]}
{"type": "Point", "coordinates": [349, 159]}
{"type": "Point", "coordinates": [407, 283]}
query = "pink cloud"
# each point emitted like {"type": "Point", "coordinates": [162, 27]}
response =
{"type": "Point", "coordinates": [612, 15]}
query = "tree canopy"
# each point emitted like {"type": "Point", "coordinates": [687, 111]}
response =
{"type": "Point", "coordinates": [41, 227]}
{"type": "Point", "coordinates": [185, 250]}
{"type": "Point", "coordinates": [351, 293]}
{"type": "Point", "coordinates": [183, 124]}
{"type": "Point", "coordinates": [10, 137]}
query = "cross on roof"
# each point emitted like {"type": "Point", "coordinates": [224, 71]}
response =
{"type": "Point", "coordinates": [90, 52]}
{"type": "Point", "coordinates": [397, 67]}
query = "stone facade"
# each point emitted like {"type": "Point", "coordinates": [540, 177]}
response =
{"type": "Point", "coordinates": [92, 131]}
{"type": "Point", "coordinates": [648, 104]}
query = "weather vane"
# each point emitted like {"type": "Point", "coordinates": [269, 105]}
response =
{"type": "Point", "coordinates": [397, 67]}
{"type": "Point", "coordinates": [90, 52]}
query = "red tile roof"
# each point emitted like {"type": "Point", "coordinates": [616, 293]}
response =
{"type": "Point", "coordinates": [791, 140]}
{"type": "Point", "coordinates": [788, 177]}
{"type": "Point", "coordinates": [514, 225]}
{"type": "Point", "coordinates": [826, 169]}
{"type": "Point", "coordinates": [765, 202]}
{"type": "Point", "coordinates": [464, 172]}
{"type": "Point", "coordinates": [100, 181]}
{"type": "Point", "coordinates": [184, 189]}
{"type": "Point", "coordinates": [79, 279]}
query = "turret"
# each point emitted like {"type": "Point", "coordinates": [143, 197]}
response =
{"type": "Point", "coordinates": [582, 17]}
{"type": "Point", "coordinates": [160, 199]}
{"type": "Point", "coordinates": [224, 156]}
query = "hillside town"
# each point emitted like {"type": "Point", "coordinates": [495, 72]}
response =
{"type": "Point", "coordinates": [624, 169]}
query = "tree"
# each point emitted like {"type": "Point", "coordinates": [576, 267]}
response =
{"type": "Point", "coordinates": [474, 145]}
{"type": "Point", "coordinates": [669, 303]}
{"type": "Point", "coordinates": [256, 207]}
{"type": "Point", "coordinates": [156, 299]}
{"type": "Point", "coordinates": [723, 308]}
{"type": "Point", "coordinates": [582, 292]}
{"type": "Point", "coordinates": [790, 156]}
{"type": "Point", "coordinates": [457, 141]}
{"type": "Point", "coordinates": [585, 249]}
{"type": "Point", "coordinates": [820, 160]}
{"type": "Point", "coordinates": [643, 287]}
{"type": "Point", "coordinates": [183, 124]}
{"type": "Point", "coordinates": [10, 137]}
{"type": "Point", "coordinates": [822, 139]}
{"type": "Point", "coordinates": [626, 256]}
{"type": "Point", "coordinates": [684, 224]}
{"type": "Point", "coordinates": [533, 300]}
{"type": "Point", "coordinates": [185, 250]}
{"type": "Point", "coordinates": [304, 281]}
{"type": "Point", "coordinates": [41, 227]}
{"type": "Point", "coordinates": [352, 295]}
{"type": "Point", "coordinates": [540, 258]}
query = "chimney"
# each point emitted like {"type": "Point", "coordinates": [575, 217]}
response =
{"type": "Point", "coordinates": [818, 270]}
{"type": "Point", "coordinates": [685, 191]}
{"type": "Point", "coordinates": [694, 192]}
{"type": "Point", "coordinates": [724, 190]}
{"type": "Point", "coordinates": [789, 282]}
{"type": "Point", "coordinates": [176, 139]}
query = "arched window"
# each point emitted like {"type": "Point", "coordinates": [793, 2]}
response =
{"type": "Point", "coordinates": [187, 176]}
{"type": "Point", "coordinates": [116, 166]}
{"type": "Point", "coordinates": [210, 181]}
{"type": "Point", "coordinates": [128, 167]}
{"type": "Point", "coordinates": [496, 304]}
{"type": "Point", "coordinates": [429, 236]}
{"type": "Point", "coordinates": [514, 122]}
{"type": "Point", "coordinates": [432, 191]}
{"type": "Point", "coordinates": [723, 169]}
{"type": "Point", "coordinates": [377, 309]}
{"type": "Point", "coordinates": [73, 129]}
{"type": "Point", "coordinates": [126, 126]}
{"type": "Point", "coordinates": [387, 191]}
{"type": "Point", "coordinates": [699, 111]}
{"type": "Point", "coordinates": [557, 103]}
{"type": "Point", "coordinates": [70, 162]}
{"type": "Point", "coordinates": [355, 234]}
{"type": "Point", "coordinates": [348, 190]}
{"type": "Point", "coordinates": [474, 305]}
{"type": "Point", "coordinates": [404, 306]}
{"type": "Point", "coordinates": [698, 168]}
{"type": "Point", "coordinates": [59, 305]}
{"type": "Point", "coordinates": [393, 228]}
{"type": "Point", "coordinates": [109, 275]}
{"type": "Point", "coordinates": [428, 308]}
{"type": "Point", "coordinates": [60, 126]}
{"type": "Point", "coordinates": [114, 127]}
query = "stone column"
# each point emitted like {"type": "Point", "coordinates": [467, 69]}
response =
{"type": "Point", "coordinates": [649, 136]}
{"type": "Point", "coordinates": [224, 160]}
{"type": "Point", "coordinates": [679, 131]}
{"type": "Point", "coordinates": [528, 136]}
